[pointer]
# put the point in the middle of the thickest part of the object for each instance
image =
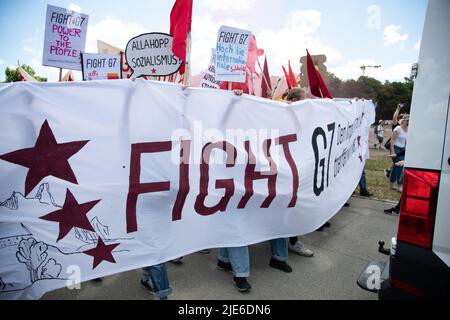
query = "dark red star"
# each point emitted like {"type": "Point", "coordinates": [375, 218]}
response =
{"type": "Point", "coordinates": [71, 215]}
{"type": "Point", "coordinates": [102, 252]}
{"type": "Point", "coordinates": [46, 158]}
{"type": "Point", "coordinates": [153, 70]}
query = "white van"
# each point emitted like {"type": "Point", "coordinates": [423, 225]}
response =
{"type": "Point", "coordinates": [419, 257]}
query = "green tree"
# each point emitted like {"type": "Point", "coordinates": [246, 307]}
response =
{"type": "Point", "coordinates": [12, 75]}
{"type": "Point", "coordinates": [387, 95]}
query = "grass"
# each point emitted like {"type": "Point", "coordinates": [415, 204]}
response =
{"type": "Point", "coordinates": [377, 182]}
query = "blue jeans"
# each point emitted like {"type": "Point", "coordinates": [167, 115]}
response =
{"type": "Point", "coordinates": [279, 249]}
{"type": "Point", "coordinates": [397, 172]}
{"type": "Point", "coordinates": [363, 182]}
{"type": "Point", "coordinates": [160, 282]}
{"type": "Point", "coordinates": [239, 259]}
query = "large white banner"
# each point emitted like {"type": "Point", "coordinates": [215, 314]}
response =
{"type": "Point", "coordinates": [103, 177]}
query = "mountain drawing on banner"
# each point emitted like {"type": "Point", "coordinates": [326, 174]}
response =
{"type": "Point", "coordinates": [12, 234]}
{"type": "Point", "coordinates": [87, 236]}
{"type": "Point", "coordinates": [35, 259]}
{"type": "Point", "coordinates": [4, 286]}
{"type": "Point", "coordinates": [43, 196]}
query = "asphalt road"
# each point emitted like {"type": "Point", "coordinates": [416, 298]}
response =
{"type": "Point", "coordinates": [341, 253]}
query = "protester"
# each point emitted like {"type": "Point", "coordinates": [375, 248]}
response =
{"type": "Point", "coordinates": [396, 118]}
{"type": "Point", "coordinates": [295, 245]}
{"type": "Point", "coordinates": [379, 131]}
{"type": "Point", "coordinates": [398, 145]}
{"type": "Point", "coordinates": [363, 191]}
{"type": "Point", "coordinates": [157, 275]}
{"type": "Point", "coordinates": [236, 260]}
{"type": "Point", "coordinates": [396, 209]}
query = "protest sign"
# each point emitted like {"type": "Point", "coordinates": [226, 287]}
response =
{"type": "Point", "coordinates": [209, 79]}
{"type": "Point", "coordinates": [101, 66]}
{"type": "Point", "coordinates": [150, 54]}
{"type": "Point", "coordinates": [65, 38]}
{"type": "Point", "coordinates": [231, 54]}
{"type": "Point", "coordinates": [105, 48]}
{"type": "Point", "coordinates": [118, 175]}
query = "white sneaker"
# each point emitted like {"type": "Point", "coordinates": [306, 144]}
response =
{"type": "Point", "coordinates": [300, 249]}
{"type": "Point", "coordinates": [393, 185]}
{"type": "Point", "coordinates": [400, 188]}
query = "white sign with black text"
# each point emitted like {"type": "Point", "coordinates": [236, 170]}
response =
{"type": "Point", "coordinates": [101, 66]}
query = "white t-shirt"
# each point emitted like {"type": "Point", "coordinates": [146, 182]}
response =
{"type": "Point", "coordinates": [380, 131]}
{"type": "Point", "coordinates": [401, 138]}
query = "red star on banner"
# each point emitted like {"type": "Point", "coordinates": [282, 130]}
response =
{"type": "Point", "coordinates": [46, 158]}
{"type": "Point", "coordinates": [71, 215]}
{"type": "Point", "coordinates": [102, 252]}
{"type": "Point", "coordinates": [153, 70]}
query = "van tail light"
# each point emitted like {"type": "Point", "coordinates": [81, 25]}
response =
{"type": "Point", "coordinates": [418, 207]}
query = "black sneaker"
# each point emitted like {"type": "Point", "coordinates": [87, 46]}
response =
{"type": "Point", "coordinates": [387, 172]}
{"type": "Point", "coordinates": [177, 261]}
{"type": "Point", "coordinates": [280, 265]}
{"type": "Point", "coordinates": [241, 284]}
{"type": "Point", "coordinates": [147, 285]}
{"type": "Point", "coordinates": [365, 193]}
{"type": "Point", "coordinates": [390, 211]}
{"type": "Point", "coordinates": [224, 266]}
{"type": "Point", "coordinates": [325, 225]}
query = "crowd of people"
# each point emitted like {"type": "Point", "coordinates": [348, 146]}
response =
{"type": "Point", "coordinates": [236, 259]}
{"type": "Point", "coordinates": [396, 146]}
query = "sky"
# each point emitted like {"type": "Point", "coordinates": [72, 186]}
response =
{"type": "Point", "coordinates": [350, 33]}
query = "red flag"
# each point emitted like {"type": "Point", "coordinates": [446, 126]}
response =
{"type": "Point", "coordinates": [180, 26]}
{"type": "Point", "coordinates": [316, 83]}
{"type": "Point", "coordinates": [25, 76]}
{"type": "Point", "coordinates": [292, 78]}
{"type": "Point", "coordinates": [22, 77]}
{"type": "Point", "coordinates": [287, 78]}
{"type": "Point", "coordinates": [265, 81]}
{"type": "Point", "coordinates": [253, 53]}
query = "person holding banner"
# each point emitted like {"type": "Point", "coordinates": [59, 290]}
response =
{"type": "Point", "coordinates": [236, 260]}
{"type": "Point", "coordinates": [160, 282]}
{"type": "Point", "coordinates": [295, 245]}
